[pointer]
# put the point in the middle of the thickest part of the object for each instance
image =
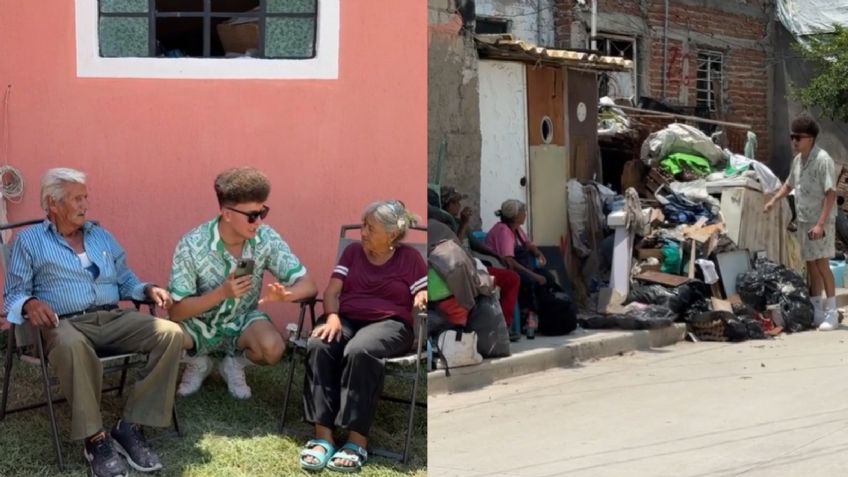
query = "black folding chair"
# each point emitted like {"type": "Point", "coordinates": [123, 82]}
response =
{"type": "Point", "coordinates": [395, 367]}
{"type": "Point", "coordinates": [26, 342]}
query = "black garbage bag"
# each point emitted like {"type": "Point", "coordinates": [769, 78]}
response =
{"type": "Point", "coordinates": [797, 311]}
{"type": "Point", "coordinates": [650, 295]}
{"type": "Point", "coordinates": [769, 283]}
{"type": "Point", "coordinates": [647, 318]}
{"type": "Point", "coordinates": [683, 301]}
{"type": "Point", "coordinates": [557, 312]}
{"type": "Point", "coordinates": [436, 323]}
{"type": "Point", "coordinates": [597, 321]}
{"type": "Point", "coordinates": [735, 329]}
{"type": "Point", "coordinates": [487, 320]}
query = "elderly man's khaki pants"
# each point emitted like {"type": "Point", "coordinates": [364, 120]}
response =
{"type": "Point", "coordinates": [71, 352]}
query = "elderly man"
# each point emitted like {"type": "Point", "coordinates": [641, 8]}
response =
{"type": "Point", "coordinates": [66, 276]}
{"type": "Point", "coordinates": [216, 278]}
{"type": "Point", "coordinates": [813, 178]}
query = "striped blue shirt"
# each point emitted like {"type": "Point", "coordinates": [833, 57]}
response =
{"type": "Point", "coordinates": [43, 266]}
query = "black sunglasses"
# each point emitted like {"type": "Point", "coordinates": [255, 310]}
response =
{"type": "Point", "coordinates": [252, 216]}
{"type": "Point", "coordinates": [798, 137]}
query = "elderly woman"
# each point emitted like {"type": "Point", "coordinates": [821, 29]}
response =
{"type": "Point", "coordinates": [368, 318]}
{"type": "Point", "coordinates": [508, 240]}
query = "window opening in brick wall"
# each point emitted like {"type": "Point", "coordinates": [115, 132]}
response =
{"type": "Point", "coordinates": [617, 84]}
{"type": "Point", "coordinates": [484, 25]}
{"type": "Point", "coordinates": [277, 29]}
{"type": "Point", "coordinates": [709, 83]}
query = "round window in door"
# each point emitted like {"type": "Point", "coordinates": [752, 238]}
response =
{"type": "Point", "coordinates": [547, 130]}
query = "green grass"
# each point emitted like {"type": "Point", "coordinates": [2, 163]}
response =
{"type": "Point", "coordinates": [222, 436]}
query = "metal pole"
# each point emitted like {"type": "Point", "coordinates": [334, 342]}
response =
{"type": "Point", "coordinates": [665, 49]}
{"type": "Point", "coordinates": [594, 24]}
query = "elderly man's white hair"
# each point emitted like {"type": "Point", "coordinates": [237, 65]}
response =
{"type": "Point", "coordinates": [53, 183]}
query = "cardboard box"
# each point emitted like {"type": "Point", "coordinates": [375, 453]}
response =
{"type": "Point", "coordinates": [646, 253]}
{"type": "Point", "coordinates": [239, 38]}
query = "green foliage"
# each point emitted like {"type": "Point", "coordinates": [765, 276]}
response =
{"type": "Point", "coordinates": [829, 89]}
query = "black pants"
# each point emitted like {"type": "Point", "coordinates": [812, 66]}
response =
{"type": "Point", "coordinates": [528, 290]}
{"type": "Point", "coordinates": [344, 378]}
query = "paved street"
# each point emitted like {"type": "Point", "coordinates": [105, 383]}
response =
{"type": "Point", "coordinates": [759, 408]}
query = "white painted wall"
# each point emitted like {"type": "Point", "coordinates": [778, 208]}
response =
{"type": "Point", "coordinates": [503, 131]}
{"type": "Point", "coordinates": [532, 20]}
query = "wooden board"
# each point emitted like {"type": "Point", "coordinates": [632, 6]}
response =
{"type": "Point", "coordinates": [666, 279]}
{"type": "Point", "coordinates": [748, 226]}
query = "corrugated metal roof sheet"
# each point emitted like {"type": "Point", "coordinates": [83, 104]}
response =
{"type": "Point", "coordinates": [508, 48]}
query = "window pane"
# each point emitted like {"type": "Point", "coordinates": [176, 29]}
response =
{"type": "Point", "coordinates": [179, 5]}
{"type": "Point", "coordinates": [123, 6]}
{"type": "Point", "coordinates": [291, 6]}
{"type": "Point", "coordinates": [121, 37]}
{"type": "Point", "coordinates": [290, 38]}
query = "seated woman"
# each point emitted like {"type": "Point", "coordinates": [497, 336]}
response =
{"type": "Point", "coordinates": [508, 240]}
{"type": "Point", "coordinates": [368, 318]}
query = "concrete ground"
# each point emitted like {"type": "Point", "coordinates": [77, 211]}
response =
{"type": "Point", "coordinates": [757, 408]}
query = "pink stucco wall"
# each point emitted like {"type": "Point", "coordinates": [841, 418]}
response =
{"type": "Point", "coordinates": [152, 147]}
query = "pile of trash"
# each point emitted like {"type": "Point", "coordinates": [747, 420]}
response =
{"type": "Point", "coordinates": [685, 265]}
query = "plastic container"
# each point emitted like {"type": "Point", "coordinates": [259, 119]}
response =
{"type": "Point", "coordinates": [838, 269]}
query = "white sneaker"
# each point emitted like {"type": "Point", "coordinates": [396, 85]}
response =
{"type": "Point", "coordinates": [831, 321]}
{"type": "Point", "coordinates": [232, 370]}
{"type": "Point", "coordinates": [195, 373]}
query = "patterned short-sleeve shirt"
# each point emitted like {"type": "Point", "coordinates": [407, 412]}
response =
{"type": "Point", "coordinates": [201, 264]}
{"type": "Point", "coordinates": [811, 180]}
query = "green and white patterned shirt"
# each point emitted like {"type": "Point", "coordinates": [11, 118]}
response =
{"type": "Point", "coordinates": [201, 264]}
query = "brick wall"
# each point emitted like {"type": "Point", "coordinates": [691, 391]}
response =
{"type": "Point", "coordinates": [739, 33]}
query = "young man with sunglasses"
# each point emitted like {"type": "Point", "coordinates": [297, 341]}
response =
{"type": "Point", "coordinates": [216, 278]}
{"type": "Point", "coordinates": [813, 178]}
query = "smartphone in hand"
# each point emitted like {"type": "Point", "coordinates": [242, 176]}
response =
{"type": "Point", "coordinates": [244, 267]}
{"type": "Point", "coordinates": [810, 235]}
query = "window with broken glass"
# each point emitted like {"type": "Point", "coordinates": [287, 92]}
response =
{"type": "Point", "coordinates": [617, 84]}
{"type": "Point", "coordinates": [273, 29]}
{"type": "Point", "coordinates": [710, 75]}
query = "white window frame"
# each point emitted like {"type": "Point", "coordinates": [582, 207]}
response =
{"type": "Point", "coordinates": [634, 72]}
{"type": "Point", "coordinates": [709, 57]}
{"type": "Point", "coordinates": [325, 65]}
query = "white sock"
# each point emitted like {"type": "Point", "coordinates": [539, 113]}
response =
{"type": "Point", "coordinates": [817, 303]}
{"type": "Point", "coordinates": [242, 361]}
{"type": "Point", "coordinates": [830, 303]}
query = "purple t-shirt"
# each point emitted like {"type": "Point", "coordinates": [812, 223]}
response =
{"type": "Point", "coordinates": [501, 239]}
{"type": "Point", "coordinates": [376, 292]}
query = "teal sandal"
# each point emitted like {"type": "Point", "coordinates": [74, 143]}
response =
{"type": "Point", "coordinates": [351, 452]}
{"type": "Point", "coordinates": [322, 459]}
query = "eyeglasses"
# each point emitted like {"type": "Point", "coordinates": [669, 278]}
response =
{"type": "Point", "coordinates": [252, 216]}
{"type": "Point", "coordinates": [798, 137]}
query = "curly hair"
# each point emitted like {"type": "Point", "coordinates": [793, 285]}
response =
{"type": "Point", "coordinates": [241, 184]}
{"type": "Point", "coordinates": [805, 124]}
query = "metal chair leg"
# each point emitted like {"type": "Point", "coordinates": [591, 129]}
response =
{"type": "Point", "coordinates": [292, 364]}
{"type": "Point", "coordinates": [48, 396]}
{"type": "Point", "coordinates": [123, 377]}
{"type": "Point", "coordinates": [176, 420]}
{"type": "Point", "coordinates": [7, 373]}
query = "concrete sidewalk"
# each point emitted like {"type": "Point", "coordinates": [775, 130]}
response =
{"type": "Point", "coordinates": [545, 352]}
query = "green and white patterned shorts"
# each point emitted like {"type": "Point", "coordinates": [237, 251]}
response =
{"type": "Point", "coordinates": [221, 340]}
{"type": "Point", "coordinates": [812, 250]}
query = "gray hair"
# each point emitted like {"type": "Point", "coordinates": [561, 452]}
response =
{"type": "Point", "coordinates": [510, 209]}
{"type": "Point", "coordinates": [392, 215]}
{"type": "Point", "coordinates": [53, 183]}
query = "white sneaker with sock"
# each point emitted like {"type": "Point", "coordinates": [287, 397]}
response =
{"type": "Point", "coordinates": [196, 370]}
{"type": "Point", "coordinates": [232, 370]}
{"type": "Point", "coordinates": [818, 311]}
{"type": "Point", "coordinates": [831, 316]}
